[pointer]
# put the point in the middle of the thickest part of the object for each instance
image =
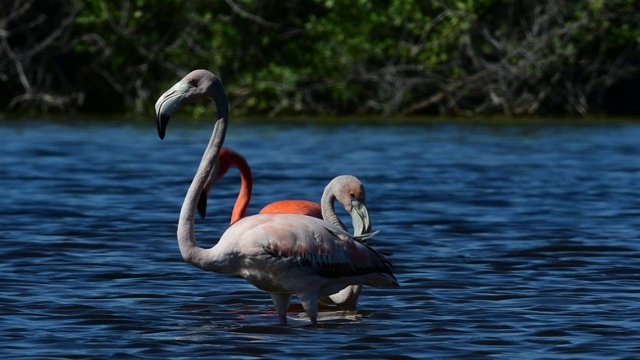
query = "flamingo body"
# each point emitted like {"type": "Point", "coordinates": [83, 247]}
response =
{"type": "Point", "coordinates": [303, 207]}
{"type": "Point", "coordinates": [297, 254]}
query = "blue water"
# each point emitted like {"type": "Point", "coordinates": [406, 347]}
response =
{"type": "Point", "coordinates": [508, 242]}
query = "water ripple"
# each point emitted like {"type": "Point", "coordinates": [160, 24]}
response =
{"type": "Point", "coordinates": [506, 241]}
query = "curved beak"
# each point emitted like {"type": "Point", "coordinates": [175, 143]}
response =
{"type": "Point", "coordinates": [168, 103]}
{"type": "Point", "coordinates": [360, 218]}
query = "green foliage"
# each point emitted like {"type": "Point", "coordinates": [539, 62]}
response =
{"type": "Point", "coordinates": [343, 56]}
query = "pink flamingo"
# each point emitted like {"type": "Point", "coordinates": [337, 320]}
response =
{"type": "Point", "coordinates": [346, 189]}
{"type": "Point", "coordinates": [282, 254]}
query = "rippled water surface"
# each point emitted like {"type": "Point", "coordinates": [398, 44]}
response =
{"type": "Point", "coordinates": [508, 242]}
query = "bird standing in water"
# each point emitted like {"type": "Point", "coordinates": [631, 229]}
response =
{"type": "Point", "coordinates": [282, 254]}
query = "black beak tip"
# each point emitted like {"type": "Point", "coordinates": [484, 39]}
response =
{"type": "Point", "coordinates": [202, 205]}
{"type": "Point", "coordinates": [162, 122]}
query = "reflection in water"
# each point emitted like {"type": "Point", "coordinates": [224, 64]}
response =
{"type": "Point", "coordinates": [506, 241]}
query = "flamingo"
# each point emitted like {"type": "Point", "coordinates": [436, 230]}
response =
{"type": "Point", "coordinates": [282, 254]}
{"type": "Point", "coordinates": [346, 189]}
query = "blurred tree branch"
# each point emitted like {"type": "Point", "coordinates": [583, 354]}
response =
{"type": "Point", "coordinates": [322, 57]}
{"type": "Point", "coordinates": [29, 39]}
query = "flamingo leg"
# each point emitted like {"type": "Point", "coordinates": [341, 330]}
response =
{"type": "Point", "coordinates": [309, 302]}
{"type": "Point", "coordinates": [281, 303]}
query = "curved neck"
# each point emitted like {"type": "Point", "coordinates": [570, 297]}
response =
{"type": "Point", "coordinates": [328, 209]}
{"type": "Point", "coordinates": [246, 187]}
{"type": "Point", "coordinates": [189, 248]}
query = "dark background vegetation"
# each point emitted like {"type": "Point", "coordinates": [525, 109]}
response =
{"type": "Point", "coordinates": [305, 57]}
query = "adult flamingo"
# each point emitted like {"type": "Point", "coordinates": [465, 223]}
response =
{"type": "Point", "coordinates": [282, 254]}
{"type": "Point", "coordinates": [346, 189]}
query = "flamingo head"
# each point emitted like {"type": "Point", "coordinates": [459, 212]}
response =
{"type": "Point", "coordinates": [197, 85]}
{"type": "Point", "coordinates": [350, 193]}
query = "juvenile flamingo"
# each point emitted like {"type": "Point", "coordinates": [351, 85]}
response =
{"type": "Point", "coordinates": [282, 254]}
{"type": "Point", "coordinates": [346, 189]}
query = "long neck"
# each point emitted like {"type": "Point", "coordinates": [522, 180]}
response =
{"type": "Point", "coordinates": [195, 255]}
{"type": "Point", "coordinates": [246, 187]}
{"type": "Point", "coordinates": [328, 210]}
